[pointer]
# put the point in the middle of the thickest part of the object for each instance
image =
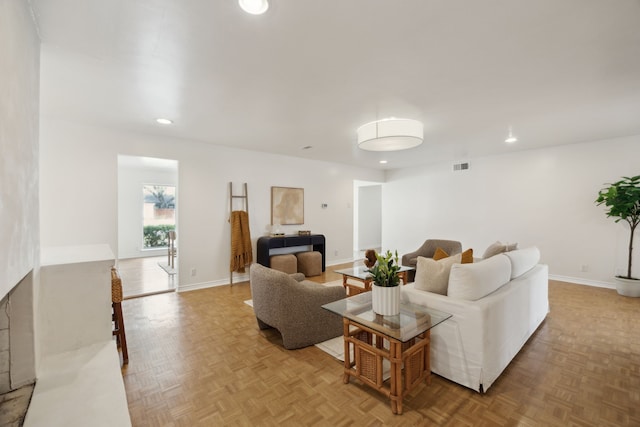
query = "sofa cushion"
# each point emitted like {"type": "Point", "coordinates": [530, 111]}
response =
{"type": "Point", "coordinates": [497, 248]}
{"type": "Point", "coordinates": [523, 260]}
{"type": "Point", "coordinates": [432, 275]}
{"type": "Point", "coordinates": [474, 281]}
{"type": "Point", "coordinates": [467, 256]}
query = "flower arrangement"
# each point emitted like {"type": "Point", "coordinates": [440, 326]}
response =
{"type": "Point", "coordinates": [385, 271]}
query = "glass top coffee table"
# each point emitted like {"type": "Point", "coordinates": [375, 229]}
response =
{"type": "Point", "coordinates": [360, 274]}
{"type": "Point", "coordinates": [402, 340]}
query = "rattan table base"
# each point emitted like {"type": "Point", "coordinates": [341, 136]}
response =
{"type": "Point", "coordinates": [409, 362]}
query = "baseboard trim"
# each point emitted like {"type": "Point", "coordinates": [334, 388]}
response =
{"type": "Point", "coordinates": [581, 281]}
{"type": "Point", "coordinates": [340, 261]}
{"type": "Point", "coordinates": [214, 283]}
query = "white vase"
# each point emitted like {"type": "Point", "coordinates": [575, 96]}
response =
{"type": "Point", "coordinates": [385, 300]}
{"type": "Point", "coordinates": [628, 287]}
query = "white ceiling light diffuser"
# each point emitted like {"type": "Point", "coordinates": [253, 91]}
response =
{"type": "Point", "coordinates": [511, 139]}
{"type": "Point", "coordinates": [164, 121]}
{"type": "Point", "coordinates": [390, 135]}
{"type": "Point", "coordinates": [254, 7]}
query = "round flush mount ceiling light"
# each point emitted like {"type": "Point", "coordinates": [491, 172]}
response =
{"type": "Point", "coordinates": [164, 121]}
{"type": "Point", "coordinates": [390, 134]}
{"type": "Point", "coordinates": [254, 7]}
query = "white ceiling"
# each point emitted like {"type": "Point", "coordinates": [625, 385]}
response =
{"type": "Point", "coordinates": [310, 72]}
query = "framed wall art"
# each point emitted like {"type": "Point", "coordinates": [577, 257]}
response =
{"type": "Point", "coordinates": [287, 206]}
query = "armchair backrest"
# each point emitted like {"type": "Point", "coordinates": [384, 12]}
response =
{"type": "Point", "coordinates": [428, 248]}
{"type": "Point", "coordinates": [294, 307]}
{"type": "Point", "coordinates": [269, 290]}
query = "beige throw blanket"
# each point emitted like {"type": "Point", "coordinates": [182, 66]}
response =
{"type": "Point", "coordinates": [241, 251]}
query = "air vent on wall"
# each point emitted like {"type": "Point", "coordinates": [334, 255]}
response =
{"type": "Point", "coordinates": [461, 166]}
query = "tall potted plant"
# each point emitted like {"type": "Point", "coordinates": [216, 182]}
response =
{"type": "Point", "coordinates": [385, 298]}
{"type": "Point", "coordinates": [622, 200]}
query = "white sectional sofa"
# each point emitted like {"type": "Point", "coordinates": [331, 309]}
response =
{"type": "Point", "coordinates": [497, 304]}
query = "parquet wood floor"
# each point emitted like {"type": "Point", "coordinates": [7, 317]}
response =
{"type": "Point", "coordinates": [143, 276]}
{"type": "Point", "coordinates": [198, 359]}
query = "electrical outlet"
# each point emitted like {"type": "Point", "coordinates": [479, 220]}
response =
{"type": "Point", "coordinates": [335, 252]}
{"type": "Point", "coordinates": [584, 268]}
{"type": "Point", "coordinates": [193, 272]}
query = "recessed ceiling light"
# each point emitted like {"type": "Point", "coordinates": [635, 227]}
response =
{"type": "Point", "coordinates": [164, 121]}
{"type": "Point", "coordinates": [254, 7]}
{"type": "Point", "coordinates": [383, 162]}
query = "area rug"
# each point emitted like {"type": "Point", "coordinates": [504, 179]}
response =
{"type": "Point", "coordinates": [166, 267]}
{"type": "Point", "coordinates": [333, 347]}
{"type": "Point", "coordinates": [249, 302]}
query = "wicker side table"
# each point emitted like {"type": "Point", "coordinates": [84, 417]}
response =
{"type": "Point", "coordinates": [402, 340]}
{"type": "Point", "coordinates": [409, 362]}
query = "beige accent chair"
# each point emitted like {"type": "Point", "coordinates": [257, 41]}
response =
{"type": "Point", "coordinates": [293, 306]}
{"type": "Point", "coordinates": [428, 248]}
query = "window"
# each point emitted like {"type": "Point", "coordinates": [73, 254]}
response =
{"type": "Point", "coordinates": [159, 215]}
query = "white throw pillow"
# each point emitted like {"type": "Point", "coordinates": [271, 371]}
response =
{"type": "Point", "coordinates": [433, 276]}
{"type": "Point", "coordinates": [473, 281]}
{"type": "Point", "coordinates": [523, 260]}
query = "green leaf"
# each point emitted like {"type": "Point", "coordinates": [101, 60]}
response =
{"type": "Point", "coordinates": [622, 198]}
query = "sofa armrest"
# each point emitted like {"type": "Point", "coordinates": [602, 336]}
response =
{"type": "Point", "coordinates": [320, 294]}
{"type": "Point", "coordinates": [410, 259]}
{"type": "Point", "coordinates": [298, 277]}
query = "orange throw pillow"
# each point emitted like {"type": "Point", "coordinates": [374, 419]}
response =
{"type": "Point", "coordinates": [439, 254]}
{"type": "Point", "coordinates": [467, 256]}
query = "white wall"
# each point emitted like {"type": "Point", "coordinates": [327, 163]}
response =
{"type": "Point", "coordinates": [19, 224]}
{"type": "Point", "coordinates": [131, 178]}
{"type": "Point", "coordinates": [369, 217]}
{"type": "Point", "coordinates": [19, 105]}
{"type": "Point", "coordinates": [539, 197]}
{"type": "Point", "coordinates": [79, 193]}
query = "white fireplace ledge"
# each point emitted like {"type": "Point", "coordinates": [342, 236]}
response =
{"type": "Point", "coordinates": [62, 255]}
{"type": "Point", "coordinates": [80, 388]}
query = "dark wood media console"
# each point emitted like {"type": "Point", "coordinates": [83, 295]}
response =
{"type": "Point", "coordinates": [265, 244]}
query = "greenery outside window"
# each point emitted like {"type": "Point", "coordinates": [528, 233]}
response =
{"type": "Point", "coordinates": [159, 215]}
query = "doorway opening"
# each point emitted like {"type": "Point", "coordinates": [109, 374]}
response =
{"type": "Point", "coordinates": [147, 219]}
{"type": "Point", "coordinates": [367, 217]}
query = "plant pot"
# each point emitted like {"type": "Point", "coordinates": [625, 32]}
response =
{"type": "Point", "coordinates": [628, 287]}
{"type": "Point", "coordinates": [385, 300]}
